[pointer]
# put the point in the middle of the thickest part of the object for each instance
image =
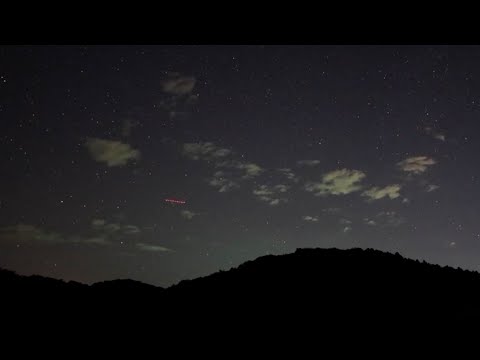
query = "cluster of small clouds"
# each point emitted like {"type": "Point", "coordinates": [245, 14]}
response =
{"type": "Point", "coordinates": [289, 174]}
{"type": "Point", "coordinates": [220, 181]}
{"type": "Point", "coordinates": [232, 171]}
{"type": "Point", "coordinates": [271, 194]}
{"type": "Point", "coordinates": [111, 152]}
{"type": "Point", "coordinates": [346, 181]}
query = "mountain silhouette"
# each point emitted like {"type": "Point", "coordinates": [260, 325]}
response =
{"type": "Point", "coordinates": [328, 288]}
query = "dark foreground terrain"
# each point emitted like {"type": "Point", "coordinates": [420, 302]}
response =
{"type": "Point", "coordinates": [323, 289]}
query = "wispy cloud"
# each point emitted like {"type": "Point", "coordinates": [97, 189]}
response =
{"type": "Point", "coordinates": [416, 164]}
{"type": "Point", "coordinates": [376, 193]}
{"type": "Point", "coordinates": [204, 151]}
{"type": "Point", "coordinates": [187, 214]}
{"type": "Point", "coordinates": [309, 218]}
{"type": "Point", "coordinates": [153, 248]}
{"type": "Point", "coordinates": [230, 172]}
{"type": "Point", "coordinates": [308, 162]}
{"type": "Point", "coordinates": [101, 225]}
{"type": "Point", "coordinates": [337, 182]}
{"type": "Point", "coordinates": [434, 133]}
{"type": "Point", "coordinates": [271, 194]}
{"type": "Point", "coordinates": [289, 174]}
{"type": "Point", "coordinates": [26, 233]}
{"type": "Point", "coordinates": [223, 184]}
{"type": "Point", "coordinates": [112, 153]}
{"type": "Point", "coordinates": [177, 84]}
{"type": "Point", "coordinates": [432, 187]}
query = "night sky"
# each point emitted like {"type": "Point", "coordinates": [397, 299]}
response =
{"type": "Point", "coordinates": [271, 148]}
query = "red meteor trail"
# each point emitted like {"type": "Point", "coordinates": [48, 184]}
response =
{"type": "Point", "coordinates": [175, 201]}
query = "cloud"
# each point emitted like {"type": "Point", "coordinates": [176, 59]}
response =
{"type": "Point", "coordinates": [27, 233]}
{"type": "Point", "coordinates": [232, 171]}
{"type": "Point", "coordinates": [99, 240]}
{"type": "Point", "coordinates": [187, 214]}
{"type": "Point", "coordinates": [131, 229]}
{"type": "Point", "coordinates": [416, 164]}
{"type": "Point", "coordinates": [337, 182]}
{"type": "Point", "coordinates": [271, 194]}
{"type": "Point", "coordinates": [310, 218]}
{"type": "Point", "coordinates": [222, 183]}
{"type": "Point", "coordinates": [153, 248]}
{"type": "Point", "coordinates": [251, 169]}
{"type": "Point", "coordinates": [369, 222]}
{"type": "Point", "coordinates": [347, 229]}
{"type": "Point", "coordinates": [308, 162]}
{"type": "Point", "coordinates": [432, 187]}
{"type": "Point", "coordinates": [177, 84]}
{"type": "Point", "coordinates": [113, 153]}
{"type": "Point", "coordinates": [435, 134]}
{"type": "Point", "coordinates": [376, 193]}
{"type": "Point", "coordinates": [289, 174]}
{"type": "Point", "coordinates": [204, 151]}
{"type": "Point", "coordinates": [102, 226]}
{"type": "Point", "coordinates": [345, 221]}
{"type": "Point", "coordinates": [100, 233]}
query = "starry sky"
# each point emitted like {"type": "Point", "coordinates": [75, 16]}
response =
{"type": "Point", "coordinates": [271, 148]}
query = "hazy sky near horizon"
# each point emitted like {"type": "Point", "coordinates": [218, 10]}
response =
{"type": "Point", "coordinates": [266, 148]}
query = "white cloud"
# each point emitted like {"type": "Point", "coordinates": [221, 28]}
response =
{"type": "Point", "coordinates": [308, 162]}
{"type": "Point", "coordinates": [416, 164]}
{"type": "Point", "coordinates": [310, 218]}
{"type": "Point", "coordinates": [344, 221]}
{"type": "Point", "coordinates": [376, 193]}
{"type": "Point", "coordinates": [112, 153]}
{"type": "Point", "coordinates": [369, 222]}
{"type": "Point", "coordinates": [153, 248]}
{"type": "Point", "coordinates": [347, 229]}
{"type": "Point", "coordinates": [337, 182]}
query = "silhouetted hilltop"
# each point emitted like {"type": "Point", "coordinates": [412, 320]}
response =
{"type": "Point", "coordinates": [311, 285]}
